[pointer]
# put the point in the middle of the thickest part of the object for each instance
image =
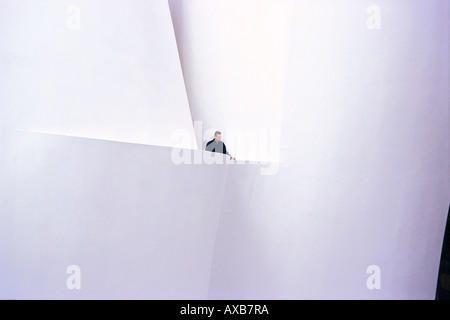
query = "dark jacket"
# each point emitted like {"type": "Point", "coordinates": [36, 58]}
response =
{"type": "Point", "coordinates": [214, 146]}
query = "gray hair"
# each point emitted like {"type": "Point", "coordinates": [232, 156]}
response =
{"type": "Point", "coordinates": [217, 132]}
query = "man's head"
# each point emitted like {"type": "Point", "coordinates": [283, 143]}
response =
{"type": "Point", "coordinates": [217, 136]}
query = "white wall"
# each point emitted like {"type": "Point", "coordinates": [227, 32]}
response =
{"type": "Point", "coordinates": [137, 225]}
{"type": "Point", "coordinates": [118, 77]}
{"type": "Point", "coordinates": [363, 179]}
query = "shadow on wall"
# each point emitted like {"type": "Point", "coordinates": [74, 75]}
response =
{"type": "Point", "coordinates": [443, 285]}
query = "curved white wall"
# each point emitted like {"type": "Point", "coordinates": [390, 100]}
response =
{"type": "Point", "coordinates": [364, 177]}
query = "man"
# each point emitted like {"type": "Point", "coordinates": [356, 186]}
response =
{"type": "Point", "coordinates": [216, 145]}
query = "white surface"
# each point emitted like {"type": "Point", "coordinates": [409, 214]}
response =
{"type": "Point", "coordinates": [118, 77]}
{"type": "Point", "coordinates": [137, 225]}
{"type": "Point", "coordinates": [364, 180]}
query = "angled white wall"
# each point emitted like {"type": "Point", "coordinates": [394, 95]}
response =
{"type": "Point", "coordinates": [137, 225]}
{"type": "Point", "coordinates": [99, 69]}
